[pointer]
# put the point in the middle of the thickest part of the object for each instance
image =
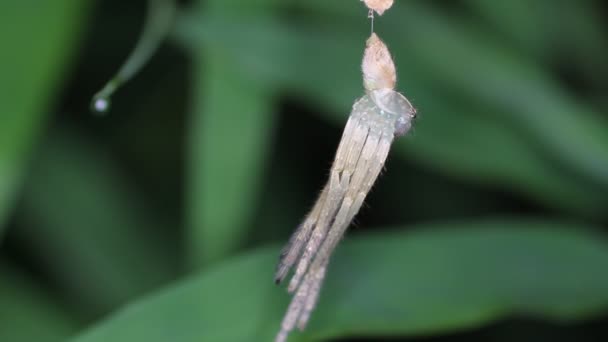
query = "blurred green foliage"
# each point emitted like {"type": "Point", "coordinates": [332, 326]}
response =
{"type": "Point", "coordinates": [218, 230]}
{"type": "Point", "coordinates": [31, 68]}
{"type": "Point", "coordinates": [27, 313]}
{"type": "Point", "coordinates": [219, 146]}
{"type": "Point", "coordinates": [103, 209]}
{"type": "Point", "coordinates": [429, 281]}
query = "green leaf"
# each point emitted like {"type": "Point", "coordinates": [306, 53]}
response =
{"type": "Point", "coordinates": [480, 69]}
{"type": "Point", "coordinates": [96, 236]}
{"type": "Point", "coordinates": [573, 32]}
{"type": "Point", "coordinates": [27, 313]}
{"type": "Point", "coordinates": [436, 278]}
{"type": "Point", "coordinates": [490, 152]}
{"type": "Point", "coordinates": [232, 127]}
{"type": "Point", "coordinates": [36, 41]}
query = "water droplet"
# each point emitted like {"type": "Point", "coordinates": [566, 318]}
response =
{"type": "Point", "coordinates": [100, 105]}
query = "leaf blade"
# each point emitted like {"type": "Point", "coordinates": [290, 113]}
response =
{"type": "Point", "coordinates": [25, 304]}
{"type": "Point", "coordinates": [232, 129]}
{"type": "Point", "coordinates": [30, 75]}
{"type": "Point", "coordinates": [438, 278]}
{"type": "Point", "coordinates": [92, 231]}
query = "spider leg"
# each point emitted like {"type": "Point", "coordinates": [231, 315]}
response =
{"type": "Point", "coordinates": [350, 206]}
{"type": "Point", "coordinates": [292, 249]}
{"type": "Point", "coordinates": [321, 214]}
{"type": "Point", "coordinates": [369, 167]}
{"type": "Point", "coordinates": [344, 165]}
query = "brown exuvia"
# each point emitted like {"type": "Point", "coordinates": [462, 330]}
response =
{"type": "Point", "coordinates": [380, 6]}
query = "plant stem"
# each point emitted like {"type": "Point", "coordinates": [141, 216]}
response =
{"type": "Point", "coordinates": [159, 20]}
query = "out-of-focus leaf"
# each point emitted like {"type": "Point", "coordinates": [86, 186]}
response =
{"type": "Point", "coordinates": [572, 33]}
{"type": "Point", "coordinates": [480, 69]}
{"type": "Point", "coordinates": [238, 6]}
{"type": "Point", "coordinates": [92, 232]}
{"type": "Point", "coordinates": [482, 146]}
{"type": "Point", "coordinates": [440, 278]}
{"type": "Point", "coordinates": [508, 159]}
{"type": "Point", "coordinates": [233, 122]}
{"type": "Point", "coordinates": [36, 39]}
{"type": "Point", "coordinates": [27, 313]}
